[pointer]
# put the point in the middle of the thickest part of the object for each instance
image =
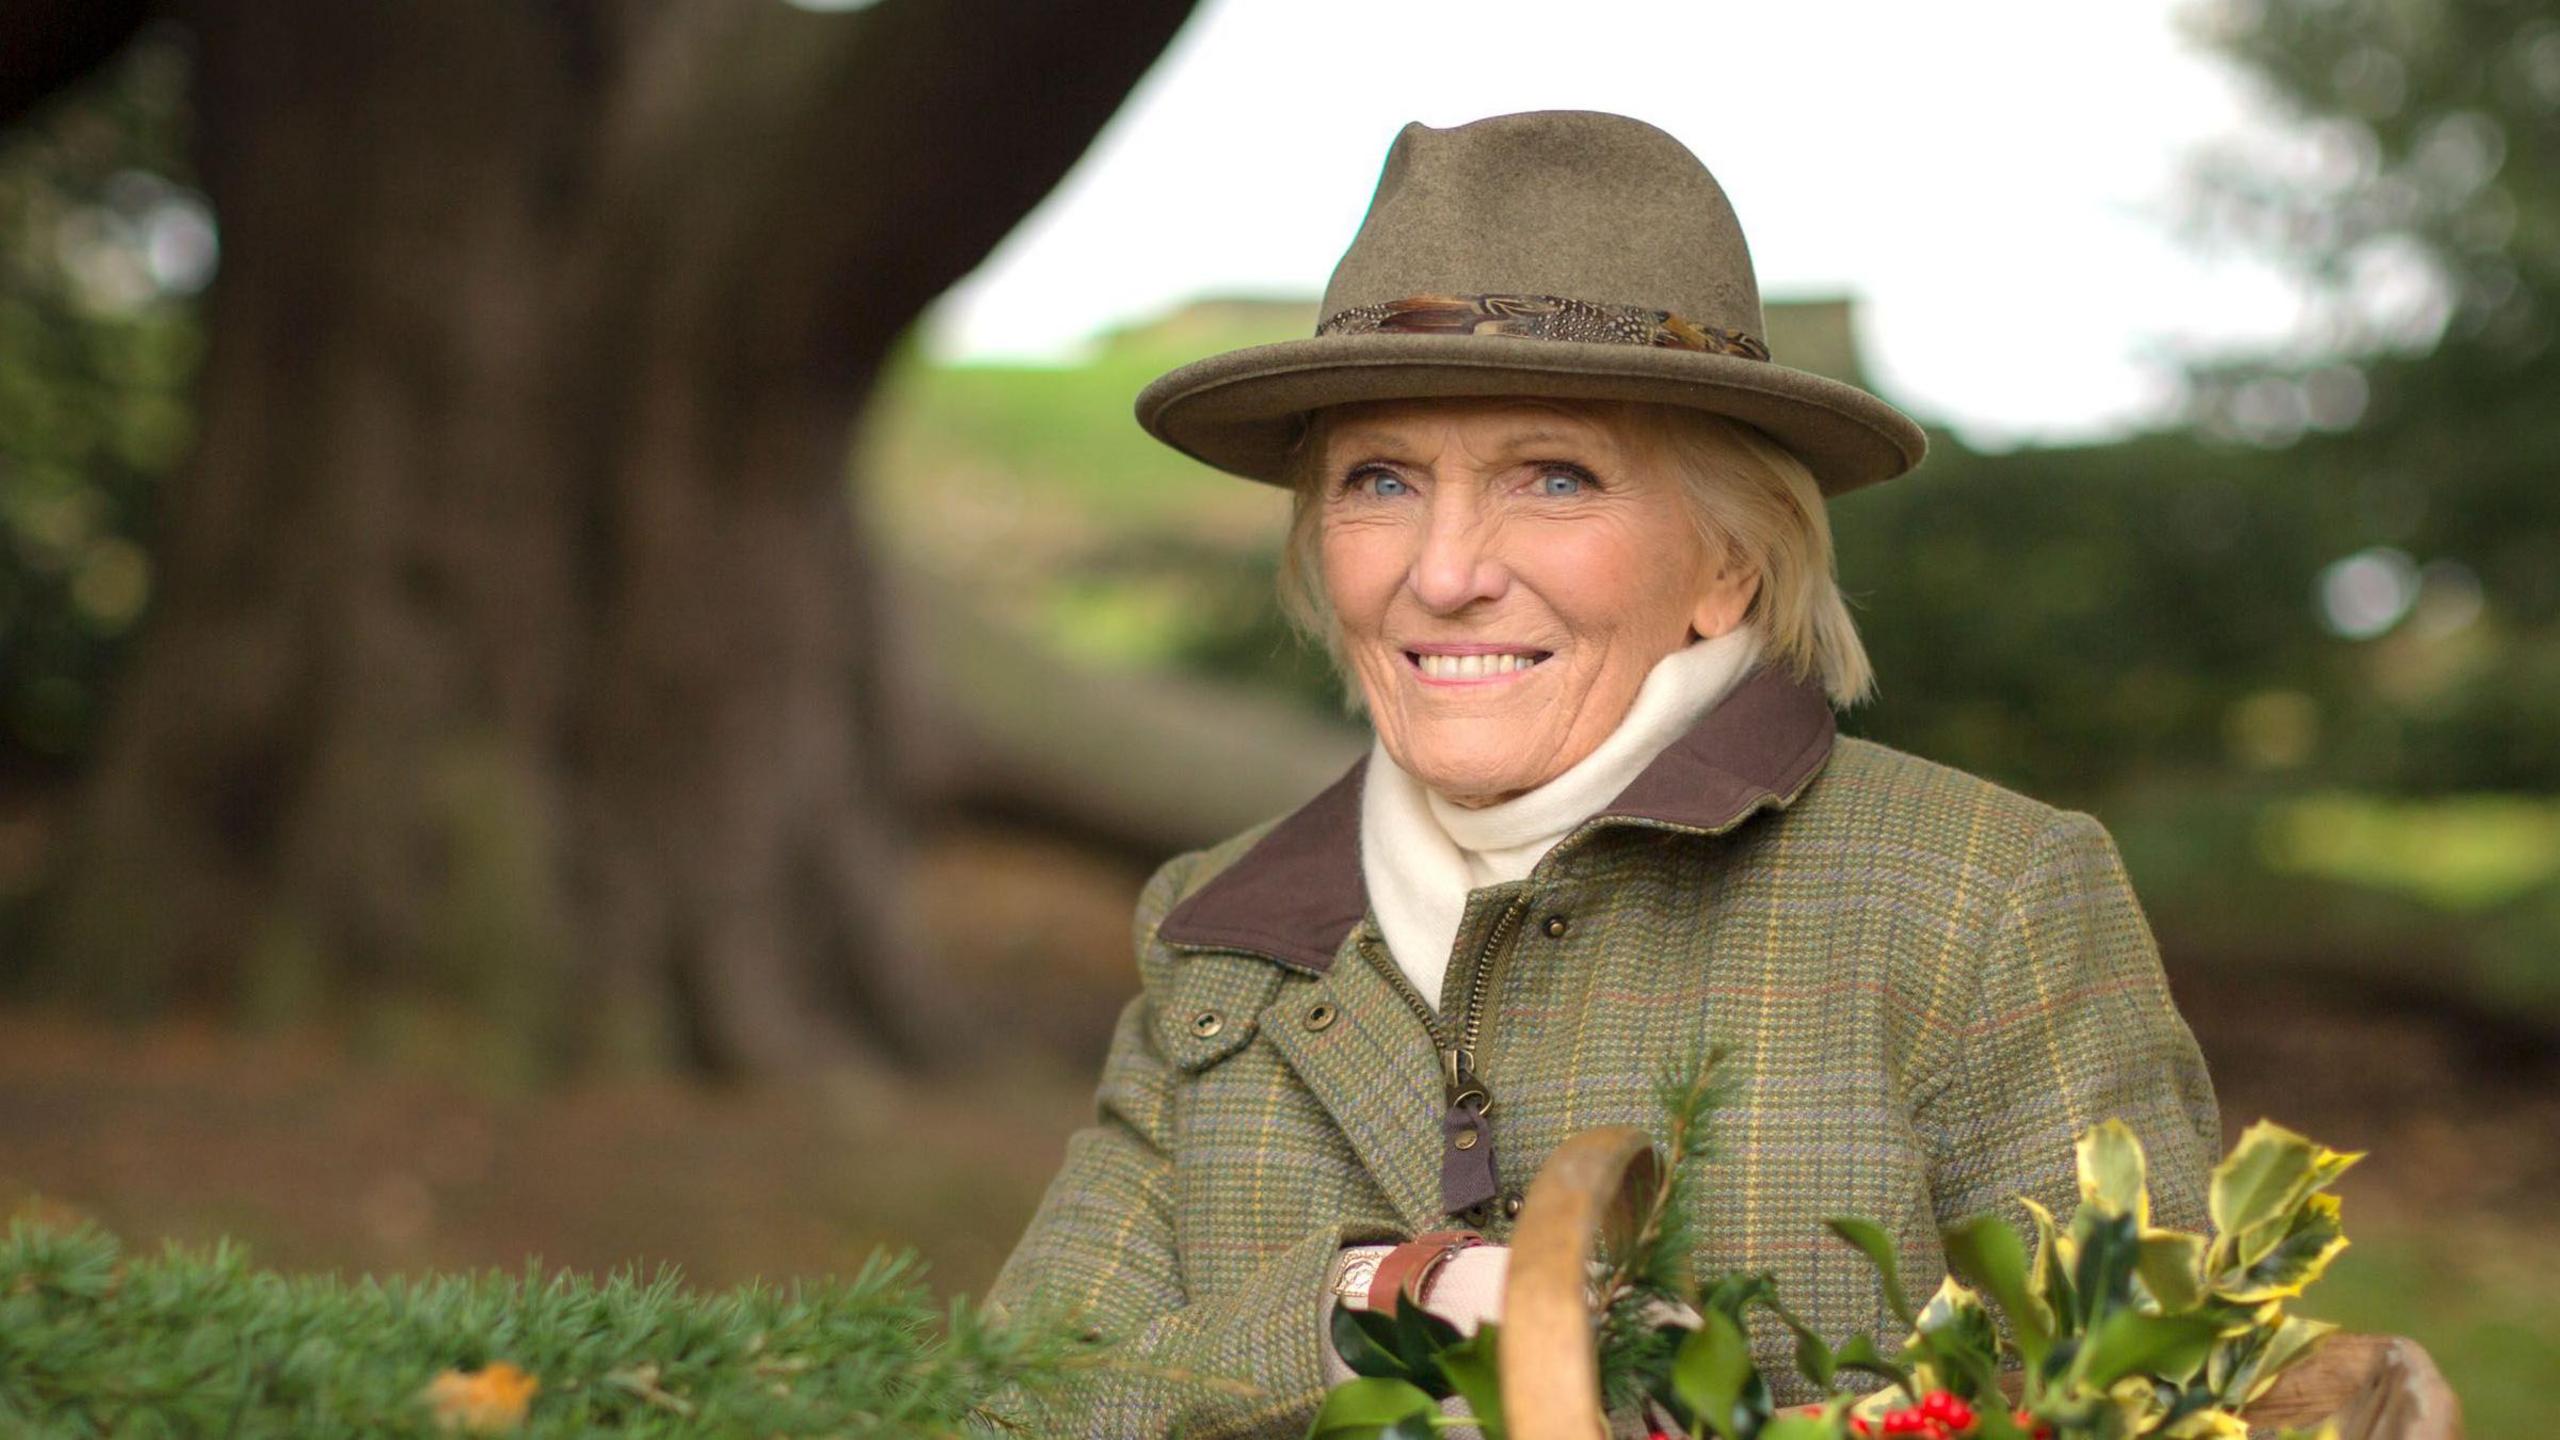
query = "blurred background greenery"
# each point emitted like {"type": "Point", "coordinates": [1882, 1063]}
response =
{"type": "Point", "coordinates": [2301, 652]}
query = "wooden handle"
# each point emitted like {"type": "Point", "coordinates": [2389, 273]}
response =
{"type": "Point", "coordinates": [2377, 1387]}
{"type": "Point", "coordinates": [1592, 1192]}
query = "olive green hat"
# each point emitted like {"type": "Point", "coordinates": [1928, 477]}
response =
{"type": "Point", "coordinates": [1561, 253]}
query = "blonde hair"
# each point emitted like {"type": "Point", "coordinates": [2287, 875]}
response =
{"type": "Point", "coordinates": [1753, 502]}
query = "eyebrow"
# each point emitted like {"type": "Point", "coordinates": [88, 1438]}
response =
{"type": "Point", "coordinates": [1375, 438]}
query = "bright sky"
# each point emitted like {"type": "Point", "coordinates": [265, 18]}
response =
{"type": "Point", "coordinates": [1992, 178]}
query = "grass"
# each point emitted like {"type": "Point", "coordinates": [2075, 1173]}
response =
{"type": "Point", "coordinates": [2484, 1299]}
{"type": "Point", "coordinates": [2457, 894]}
{"type": "Point", "coordinates": [2467, 853]}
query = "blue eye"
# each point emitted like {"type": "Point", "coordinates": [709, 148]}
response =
{"type": "Point", "coordinates": [1379, 481]}
{"type": "Point", "coordinates": [1560, 482]}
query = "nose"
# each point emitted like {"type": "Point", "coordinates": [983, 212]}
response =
{"type": "Point", "coordinates": [1458, 560]}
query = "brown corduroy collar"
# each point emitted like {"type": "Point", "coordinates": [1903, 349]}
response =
{"type": "Point", "coordinates": [1297, 893]}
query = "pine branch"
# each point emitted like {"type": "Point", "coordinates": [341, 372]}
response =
{"type": "Point", "coordinates": [1656, 1266]}
{"type": "Point", "coordinates": [96, 1342]}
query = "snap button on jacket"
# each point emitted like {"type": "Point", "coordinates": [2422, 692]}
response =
{"type": "Point", "coordinates": [1926, 986]}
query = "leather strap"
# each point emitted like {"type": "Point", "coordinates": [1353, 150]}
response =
{"type": "Point", "coordinates": [1406, 1270]}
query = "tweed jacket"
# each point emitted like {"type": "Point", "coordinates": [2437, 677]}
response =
{"type": "Point", "coordinates": [1926, 986]}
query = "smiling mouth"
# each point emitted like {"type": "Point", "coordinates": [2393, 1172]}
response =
{"type": "Point", "coordinates": [1463, 669]}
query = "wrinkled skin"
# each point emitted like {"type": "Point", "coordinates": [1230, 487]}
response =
{"type": "Point", "coordinates": [1528, 528]}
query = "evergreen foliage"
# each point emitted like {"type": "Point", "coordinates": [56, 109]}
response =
{"type": "Point", "coordinates": [198, 1343]}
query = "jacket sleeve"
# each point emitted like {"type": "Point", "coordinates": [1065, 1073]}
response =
{"type": "Point", "coordinates": [1100, 1256]}
{"type": "Point", "coordinates": [2072, 1024]}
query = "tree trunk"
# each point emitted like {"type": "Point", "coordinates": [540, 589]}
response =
{"type": "Point", "coordinates": [515, 643]}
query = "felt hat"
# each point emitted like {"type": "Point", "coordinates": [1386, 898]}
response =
{"type": "Point", "coordinates": [1561, 253]}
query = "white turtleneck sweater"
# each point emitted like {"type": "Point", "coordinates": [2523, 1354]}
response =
{"type": "Point", "coordinates": [1420, 854]}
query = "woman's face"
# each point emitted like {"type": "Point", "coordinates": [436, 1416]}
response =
{"type": "Point", "coordinates": [1505, 573]}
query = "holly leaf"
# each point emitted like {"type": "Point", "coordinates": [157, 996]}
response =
{"type": "Point", "coordinates": [2312, 1239]}
{"type": "Point", "coordinates": [2259, 1184]}
{"type": "Point", "coordinates": [1859, 1352]}
{"type": "Point", "coordinates": [1877, 1246]}
{"type": "Point", "coordinates": [1369, 1408]}
{"type": "Point", "coordinates": [2102, 1281]}
{"type": "Point", "coordinates": [2110, 1159]}
{"type": "Point", "coordinates": [1986, 1249]}
{"type": "Point", "coordinates": [1738, 1291]}
{"type": "Point", "coordinates": [1709, 1373]}
{"type": "Point", "coordinates": [1962, 1344]}
{"type": "Point", "coordinates": [1814, 1359]}
{"type": "Point", "coordinates": [2129, 1342]}
{"type": "Point", "coordinates": [1472, 1373]}
{"type": "Point", "coordinates": [2170, 1263]}
{"type": "Point", "coordinates": [2050, 1275]}
{"type": "Point", "coordinates": [1366, 1341]}
{"type": "Point", "coordinates": [1420, 1338]}
{"type": "Point", "coordinates": [2255, 1361]}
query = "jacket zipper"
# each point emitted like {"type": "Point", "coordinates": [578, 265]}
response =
{"type": "Point", "coordinates": [1458, 1060]}
{"type": "Point", "coordinates": [1458, 1053]}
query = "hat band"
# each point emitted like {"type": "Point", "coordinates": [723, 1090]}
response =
{"type": "Point", "coordinates": [1541, 317]}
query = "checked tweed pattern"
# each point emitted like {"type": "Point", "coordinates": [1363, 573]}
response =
{"type": "Point", "coordinates": [1927, 985]}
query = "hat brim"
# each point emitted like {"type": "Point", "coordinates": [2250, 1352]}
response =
{"type": "Point", "coordinates": [1240, 411]}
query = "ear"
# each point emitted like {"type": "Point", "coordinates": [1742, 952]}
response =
{"type": "Point", "coordinates": [1724, 599]}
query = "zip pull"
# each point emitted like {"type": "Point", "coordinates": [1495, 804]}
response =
{"type": "Point", "coordinates": [1468, 1174]}
{"type": "Point", "coordinates": [1457, 1070]}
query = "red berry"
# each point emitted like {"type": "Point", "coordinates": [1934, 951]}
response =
{"type": "Point", "coordinates": [1957, 1414]}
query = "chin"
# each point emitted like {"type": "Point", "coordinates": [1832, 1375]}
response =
{"type": "Point", "coordinates": [1471, 779]}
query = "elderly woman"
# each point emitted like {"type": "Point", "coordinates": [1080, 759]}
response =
{"type": "Point", "coordinates": [1559, 518]}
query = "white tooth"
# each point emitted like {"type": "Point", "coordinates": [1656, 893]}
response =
{"type": "Point", "coordinates": [1501, 665]}
{"type": "Point", "coordinates": [1475, 667]}
{"type": "Point", "coordinates": [1436, 666]}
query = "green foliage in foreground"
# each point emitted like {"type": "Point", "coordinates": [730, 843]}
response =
{"type": "Point", "coordinates": [2122, 1330]}
{"type": "Point", "coordinates": [94, 1343]}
